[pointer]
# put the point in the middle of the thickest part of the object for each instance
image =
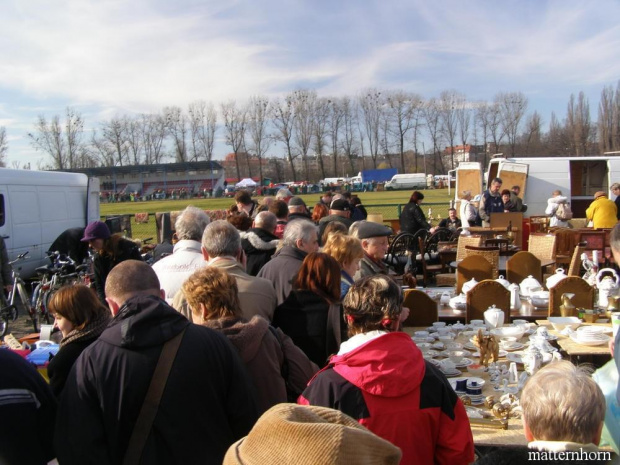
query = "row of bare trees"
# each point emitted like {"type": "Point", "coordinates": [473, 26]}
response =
{"type": "Point", "coordinates": [318, 135]}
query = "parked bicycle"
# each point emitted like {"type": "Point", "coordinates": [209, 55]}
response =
{"type": "Point", "coordinates": [9, 311]}
{"type": "Point", "coordinates": [62, 271]}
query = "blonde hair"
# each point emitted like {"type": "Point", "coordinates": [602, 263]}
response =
{"type": "Point", "coordinates": [214, 288]}
{"type": "Point", "coordinates": [343, 248]}
{"type": "Point", "coordinates": [563, 403]}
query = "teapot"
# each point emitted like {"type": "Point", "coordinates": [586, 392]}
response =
{"type": "Point", "coordinates": [529, 285]}
{"type": "Point", "coordinates": [515, 300]}
{"type": "Point", "coordinates": [469, 285]}
{"type": "Point", "coordinates": [504, 282]}
{"type": "Point", "coordinates": [532, 360]}
{"type": "Point", "coordinates": [445, 298]}
{"type": "Point", "coordinates": [494, 317]}
{"type": "Point", "coordinates": [607, 285]}
{"type": "Point", "coordinates": [555, 278]}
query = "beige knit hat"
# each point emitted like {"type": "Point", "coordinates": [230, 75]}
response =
{"type": "Point", "coordinates": [290, 433]}
{"type": "Point", "coordinates": [599, 194]}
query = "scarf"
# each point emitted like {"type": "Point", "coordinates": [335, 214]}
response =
{"type": "Point", "coordinates": [91, 331]}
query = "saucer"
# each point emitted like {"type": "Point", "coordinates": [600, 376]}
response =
{"type": "Point", "coordinates": [550, 337]}
{"type": "Point", "coordinates": [470, 346]}
{"type": "Point", "coordinates": [469, 379]}
{"type": "Point", "coordinates": [501, 354]}
{"type": "Point", "coordinates": [451, 374]}
{"type": "Point", "coordinates": [516, 346]}
{"type": "Point", "coordinates": [464, 363]}
{"type": "Point", "coordinates": [602, 339]}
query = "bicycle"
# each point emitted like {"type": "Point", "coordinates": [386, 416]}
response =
{"type": "Point", "coordinates": [60, 272]}
{"type": "Point", "coordinates": [9, 311]}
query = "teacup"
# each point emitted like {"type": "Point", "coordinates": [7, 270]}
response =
{"type": "Point", "coordinates": [507, 341]}
{"type": "Point", "coordinates": [445, 338]}
{"type": "Point", "coordinates": [520, 322]}
{"type": "Point", "coordinates": [447, 365]}
{"type": "Point", "coordinates": [439, 324]}
{"type": "Point", "coordinates": [542, 331]}
{"type": "Point", "coordinates": [443, 331]}
{"type": "Point", "coordinates": [476, 322]}
{"type": "Point", "coordinates": [456, 356]}
{"type": "Point", "coordinates": [420, 334]}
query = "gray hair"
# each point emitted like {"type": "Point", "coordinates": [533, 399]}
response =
{"type": "Point", "coordinates": [221, 238]}
{"type": "Point", "coordinates": [353, 229]}
{"type": "Point", "coordinates": [266, 220]}
{"type": "Point", "coordinates": [298, 229]}
{"type": "Point", "coordinates": [465, 194]}
{"type": "Point", "coordinates": [615, 185]}
{"type": "Point", "coordinates": [191, 223]}
{"type": "Point", "coordinates": [283, 193]}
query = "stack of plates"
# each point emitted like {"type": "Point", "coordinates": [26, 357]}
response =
{"type": "Point", "coordinates": [590, 336]}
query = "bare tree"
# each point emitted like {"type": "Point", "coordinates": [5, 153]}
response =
{"type": "Point", "coordinates": [482, 121]}
{"type": "Point", "coordinates": [284, 121]}
{"type": "Point", "coordinates": [64, 147]}
{"type": "Point", "coordinates": [133, 135]}
{"type": "Point", "coordinates": [202, 123]}
{"type": "Point", "coordinates": [322, 113]}
{"type": "Point", "coordinates": [533, 135]}
{"type": "Point", "coordinates": [496, 128]}
{"type": "Point", "coordinates": [258, 125]}
{"type": "Point", "coordinates": [304, 102]}
{"type": "Point", "coordinates": [103, 151]}
{"type": "Point", "coordinates": [385, 137]}
{"type": "Point", "coordinates": [432, 117]}
{"type": "Point", "coordinates": [350, 125]}
{"type": "Point", "coordinates": [153, 131]}
{"type": "Point", "coordinates": [403, 110]}
{"type": "Point", "coordinates": [4, 146]}
{"type": "Point", "coordinates": [235, 124]}
{"type": "Point", "coordinates": [463, 116]}
{"type": "Point", "coordinates": [558, 142]}
{"type": "Point", "coordinates": [578, 124]}
{"type": "Point", "coordinates": [114, 135]}
{"type": "Point", "coordinates": [371, 105]}
{"type": "Point", "coordinates": [512, 107]}
{"type": "Point", "coordinates": [176, 125]}
{"type": "Point", "coordinates": [335, 123]}
{"type": "Point", "coordinates": [606, 120]}
{"type": "Point", "coordinates": [448, 102]}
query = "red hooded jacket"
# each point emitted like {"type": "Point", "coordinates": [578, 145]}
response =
{"type": "Point", "coordinates": [389, 388]}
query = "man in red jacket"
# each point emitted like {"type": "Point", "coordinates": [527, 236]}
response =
{"type": "Point", "coordinates": [380, 378]}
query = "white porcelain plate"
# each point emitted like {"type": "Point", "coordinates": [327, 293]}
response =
{"type": "Point", "coordinates": [464, 363]}
{"type": "Point", "coordinates": [502, 353]}
{"type": "Point", "coordinates": [451, 374]}
{"type": "Point", "coordinates": [603, 339]}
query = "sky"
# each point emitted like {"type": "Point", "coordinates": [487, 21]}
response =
{"type": "Point", "coordinates": [121, 57]}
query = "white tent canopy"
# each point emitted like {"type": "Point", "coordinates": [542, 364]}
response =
{"type": "Point", "coordinates": [247, 182]}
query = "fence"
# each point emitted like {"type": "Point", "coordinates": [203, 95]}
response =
{"type": "Point", "coordinates": [143, 225]}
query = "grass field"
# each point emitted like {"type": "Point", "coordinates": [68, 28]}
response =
{"type": "Point", "coordinates": [385, 203]}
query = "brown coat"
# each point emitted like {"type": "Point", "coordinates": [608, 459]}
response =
{"type": "Point", "coordinates": [263, 357]}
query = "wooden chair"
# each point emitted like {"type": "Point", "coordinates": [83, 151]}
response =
{"type": "Point", "coordinates": [565, 243]}
{"type": "Point", "coordinates": [489, 253]}
{"type": "Point", "coordinates": [428, 270]}
{"type": "Point", "coordinates": [595, 240]}
{"type": "Point", "coordinates": [485, 294]}
{"type": "Point", "coordinates": [521, 265]}
{"type": "Point", "coordinates": [574, 268]}
{"type": "Point", "coordinates": [422, 309]}
{"type": "Point", "coordinates": [584, 294]}
{"type": "Point", "coordinates": [474, 266]}
{"type": "Point", "coordinates": [402, 250]}
{"type": "Point", "coordinates": [543, 247]}
{"type": "Point", "coordinates": [464, 241]}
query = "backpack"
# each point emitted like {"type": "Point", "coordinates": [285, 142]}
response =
{"type": "Point", "coordinates": [564, 213]}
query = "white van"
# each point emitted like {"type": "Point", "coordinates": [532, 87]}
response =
{"type": "Point", "coordinates": [36, 206]}
{"type": "Point", "coordinates": [407, 181]}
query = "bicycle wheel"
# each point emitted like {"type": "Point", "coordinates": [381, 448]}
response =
{"type": "Point", "coordinates": [25, 300]}
{"type": "Point", "coordinates": [4, 323]}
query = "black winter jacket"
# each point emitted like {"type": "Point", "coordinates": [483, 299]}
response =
{"type": "Point", "coordinates": [282, 269]}
{"type": "Point", "coordinates": [122, 249]}
{"type": "Point", "coordinates": [412, 219]}
{"type": "Point", "coordinates": [208, 403]}
{"type": "Point", "coordinates": [259, 245]}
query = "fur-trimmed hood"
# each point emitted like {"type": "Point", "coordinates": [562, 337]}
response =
{"type": "Point", "coordinates": [260, 239]}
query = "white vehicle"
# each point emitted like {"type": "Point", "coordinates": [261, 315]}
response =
{"type": "Point", "coordinates": [407, 181]}
{"type": "Point", "coordinates": [36, 206]}
{"type": "Point", "coordinates": [579, 178]}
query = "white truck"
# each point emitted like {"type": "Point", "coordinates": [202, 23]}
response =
{"type": "Point", "coordinates": [407, 181]}
{"type": "Point", "coordinates": [36, 206]}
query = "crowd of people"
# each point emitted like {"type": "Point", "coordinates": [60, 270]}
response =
{"type": "Point", "coordinates": [281, 342]}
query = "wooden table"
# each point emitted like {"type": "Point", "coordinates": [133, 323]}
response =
{"type": "Point", "coordinates": [573, 348]}
{"type": "Point", "coordinates": [503, 259]}
{"type": "Point", "coordinates": [484, 436]}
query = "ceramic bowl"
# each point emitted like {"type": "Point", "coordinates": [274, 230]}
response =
{"type": "Point", "coordinates": [439, 324]}
{"type": "Point", "coordinates": [561, 322]}
{"type": "Point", "coordinates": [457, 356]}
{"type": "Point", "coordinates": [423, 346]}
{"type": "Point", "coordinates": [540, 298]}
{"type": "Point", "coordinates": [476, 369]}
{"type": "Point", "coordinates": [509, 331]}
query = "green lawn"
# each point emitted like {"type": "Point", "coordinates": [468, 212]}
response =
{"type": "Point", "coordinates": [376, 202]}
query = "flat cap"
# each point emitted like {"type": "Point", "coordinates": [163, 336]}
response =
{"type": "Point", "coordinates": [370, 229]}
{"type": "Point", "coordinates": [340, 205]}
{"type": "Point", "coordinates": [296, 202]}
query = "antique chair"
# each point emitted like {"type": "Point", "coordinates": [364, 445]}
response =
{"type": "Point", "coordinates": [502, 244]}
{"type": "Point", "coordinates": [485, 294]}
{"type": "Point", "coordinates": [402, 250]}
{"type": "Point", "coordinates": [474, 266]}
{"type": "Point", "coordinates": [521, 265]}
{"type": "Point", "coordinates": [428, 270]}
{"type": "Point", "coordinates": [584, 294]}
{"type": "Point", "coordinates": [595, 240]}
{"type": "Point", "coordinates": [463, 241]}
{"type": "Point", "coordinates": [543, 247]}
{"type": "Point", "coordinates": [574, 268]}
{"type": "Point", "coordinates": [422, 309]}
{"type": "Point", "coordinates": [489, 253]}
